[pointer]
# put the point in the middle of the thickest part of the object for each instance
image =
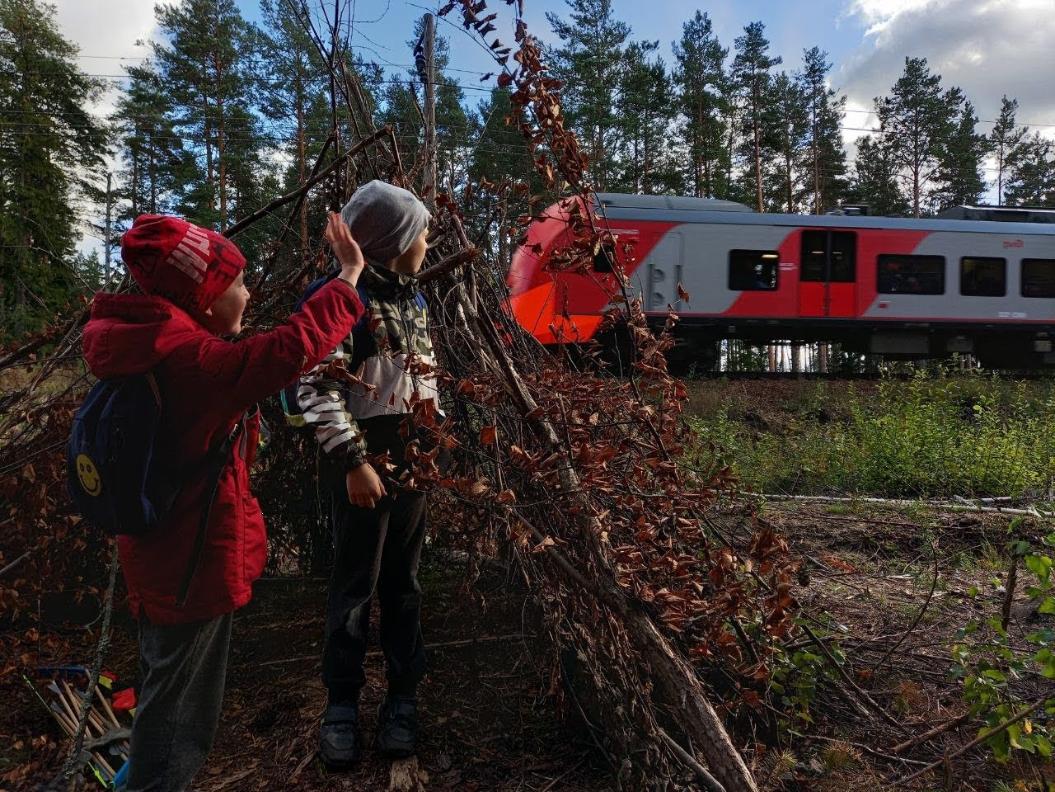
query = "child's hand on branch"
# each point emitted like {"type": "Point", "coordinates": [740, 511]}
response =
{"type": "Point", "coordinates": [364, 486]}
{"type": "Point", "coordinates": [344, 248]}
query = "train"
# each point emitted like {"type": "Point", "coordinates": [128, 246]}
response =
{"type": "Point", "coordinates": [978, 280]}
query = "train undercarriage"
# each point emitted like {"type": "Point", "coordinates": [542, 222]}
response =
{"type": "Point", "coordinates": [994, 346]}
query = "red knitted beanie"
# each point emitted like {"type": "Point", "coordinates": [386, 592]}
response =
{"type": "Point", "coordinates": [171, 258]}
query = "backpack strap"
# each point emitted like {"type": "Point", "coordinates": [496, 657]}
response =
{"type": "Point", "coordinates": [216, 462]}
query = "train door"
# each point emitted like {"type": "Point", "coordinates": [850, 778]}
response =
{"type": "Point", "coordinates": [828, 273]}
{"type": "Point", "coordinates": [664, 273]}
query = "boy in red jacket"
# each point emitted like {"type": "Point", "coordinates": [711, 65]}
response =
{"type": "Point", "coordinates": [194, 296]}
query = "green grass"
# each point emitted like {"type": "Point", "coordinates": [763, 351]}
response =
{"type": "Point", "coordinates": [929, 436]}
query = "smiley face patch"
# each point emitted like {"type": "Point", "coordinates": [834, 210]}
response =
{"type": "Point", "coordinates": [88, 475]}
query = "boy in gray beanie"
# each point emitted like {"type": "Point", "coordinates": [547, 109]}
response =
{"type": "Point", "coordinates": [378, 530]}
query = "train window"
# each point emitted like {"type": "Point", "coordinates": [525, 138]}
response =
{"type": "Point", "coordinates": [898, 274]}
{"type": "Point", "coordinates": [813, 255]}
{"type": "Point", "coordinates": [1038, 277]}
{"type": "Point", "coordinates": [983, 277]}
{"type": "Point", "coordinates": [753, 270]}
{"type": "Point", "coordinates": [602, 260]}
{"type": "Point", "coordinates": [842, 267]}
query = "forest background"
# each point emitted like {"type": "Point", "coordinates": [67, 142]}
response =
{"type": "Point", "coordinates": [225, 114]}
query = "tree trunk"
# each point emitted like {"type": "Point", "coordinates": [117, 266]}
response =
{"type": "Point", "coordinates": [301, 168]}
{"type": "Point", "coordinates": [758, 152]}
{"type": "Point", "coordinates": [789, 175]}
{"type": "Point", "coordinates": [816, 162]}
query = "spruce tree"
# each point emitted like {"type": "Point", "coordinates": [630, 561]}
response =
{"type": "Point", "coordinates": [156, 167]}
{"type": "Point", "coordinates": [875, 181]}
{"type": "Point", "coordinates": [703, 102]}
{"type": "Point", "coordinates": [961, 177]}
{"type": "Point", "coordinates": [1005, 141]}
{"type": "Point", "coordinates": [645, 119]}
{"type": "Point", "coordinates": [591, 61]}
{"type": "Point", "coordinates": [750, 72]}
{"type": "Point", "coordinates": [498, 158]}
{"type": "Point", "coordinates": [1031, 177]}
{"type": "Point", "coordinates": [918, 119]}
{"type": "Point", "coordinates": [50, 149]}
{"type": "Point", "coordinates": [825, 161]}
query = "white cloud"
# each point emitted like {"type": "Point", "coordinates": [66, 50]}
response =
{"type": "Point", "coordinates": [105, 32]}
{"type": "Point", "coordinates": [987, 47]}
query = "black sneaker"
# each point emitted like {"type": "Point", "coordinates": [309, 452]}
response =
{"type": "Point", "coordinates": [339, 738]}
{"type": "Point", "coordinates": [397, 726]}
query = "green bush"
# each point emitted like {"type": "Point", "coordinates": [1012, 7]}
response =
{"type": "Point", "coordinates": [927, 436]}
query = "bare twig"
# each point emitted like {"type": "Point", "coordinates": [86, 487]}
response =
{"type": "Point", "coordinates": [930, 734]}
{"type": "Point", "coordinates": [1025, 712]}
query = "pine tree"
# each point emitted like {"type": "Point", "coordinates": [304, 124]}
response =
{"type": "Point", "coordinates": [155, 165]}
{"type": "Point", "coordinates": [751, 73]}
{"type": "Point", "coordinates": [785, 134]}
{"type": "Point", "coordinates": [825, 161]}
{"type": "Point", "coordinates": [918, 118]}
{"type": "Point", "coordinates": [296, 92]}
{"type": "Point", "coordinates": [206, 67]}
{"type": "Point", "coordinates": [645, 118]}
{"type": "Point", "coordinates": [1005, 141]}
{"type": "Point", "coordinates": [961, 177]}
{"type": "Point", "coordinates": [591, 62]}
{"type": "Point", "coordinates": [703, 103]}
{"type": "Point", "coordinates": [1031, 177]}
{"type": "Point", "coordinates": [50, 146]}
{"type": "Point", "coordinates": [875, 180]}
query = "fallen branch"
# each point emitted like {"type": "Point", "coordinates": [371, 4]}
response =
{"type": "Point", "coordinates": [904, 503]}
{"type": "Point", "coordinates": [981, 738]}
{"type": "Point", "coordinates": [930, 734]}
{"type": "Point", "coordinates": [705, 778]}
{"type": "Point", "coordinates": [919, 613]}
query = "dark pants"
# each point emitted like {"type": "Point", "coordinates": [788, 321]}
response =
{"type": "Point", "coordinates": [375, 550]}
{"type": "Point", "coordinates": [184, 667]}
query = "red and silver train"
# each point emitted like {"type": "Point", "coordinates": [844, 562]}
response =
{"type": "Point", "coordinates": [901, 288]}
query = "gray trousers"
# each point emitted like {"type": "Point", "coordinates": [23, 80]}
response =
{"type": "Point", "coordinates": [184, 667]}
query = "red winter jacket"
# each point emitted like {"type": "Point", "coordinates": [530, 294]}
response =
{"type": "Point", "coordinates": [206, 384]}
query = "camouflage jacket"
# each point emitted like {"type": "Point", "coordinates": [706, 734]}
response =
{"type": "Point", "coordinates": [376, 352]}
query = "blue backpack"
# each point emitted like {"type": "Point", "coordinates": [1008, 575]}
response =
{"type": "Point", "coordinates": [115, 477]}
{"type": "Point", "coordinates": [362, 347]}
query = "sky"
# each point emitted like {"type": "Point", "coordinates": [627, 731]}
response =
{"type": "Point", "coordinates": [987, 47]}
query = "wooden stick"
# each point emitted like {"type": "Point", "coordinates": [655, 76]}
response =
{"type": "Point", "coordinates": [985, 735]}
{"type": "Point", "coordinates": [850, 683]}
{"type": "Point", "coordinates": [448, 264]}
{"type": "Point", "coordinates": [930, 734]}
{"type": "Point", "coordinates": [106, 706]}
{"type": "Point", "coordinates": [708, 781]}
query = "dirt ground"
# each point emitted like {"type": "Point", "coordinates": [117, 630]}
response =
{"type": "Point", "coordinates": [892, 585]}
{"type": "Point", "coordinates": [488, 722]}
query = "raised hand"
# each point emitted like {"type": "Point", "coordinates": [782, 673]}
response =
{"type": "Point", "coordinates": [344, 248]}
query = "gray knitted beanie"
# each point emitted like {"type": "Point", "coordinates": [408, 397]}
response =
{"type": "Point", "coordinates": [384, 219]}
